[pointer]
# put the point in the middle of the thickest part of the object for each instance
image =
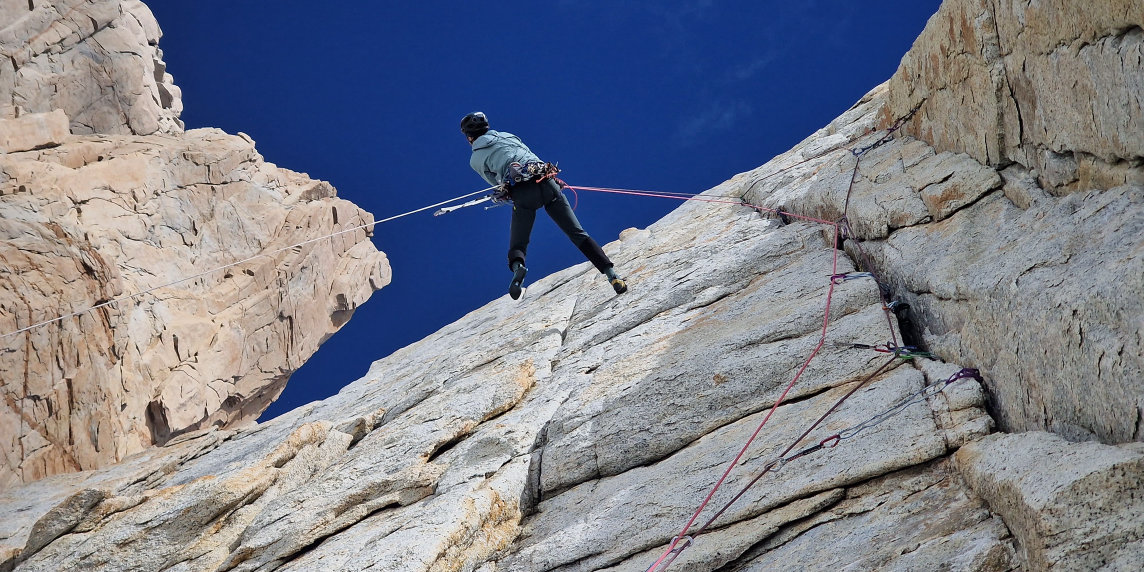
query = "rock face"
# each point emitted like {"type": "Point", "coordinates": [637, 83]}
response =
{"type": "Point", "coordinates": [1053, 85]}
{"type": "Point", "coordinates": [600, 414]}
{"type": "Point", "coordinates": [33, 131]}
{"type": "Point", "coordinates": [1051, 95]}
{"type": "Point", "coordinates": [575, 430]}
{"type": "Point", "coordinates": [1064, 502]}
{"type": "Point", "coordinates": [118, 220]}
{"type": "Point", "coordinates": [96, 60]}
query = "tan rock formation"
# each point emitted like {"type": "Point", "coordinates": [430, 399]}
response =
{"type": "Point", "coordinates": [1071, 506]}
{"type": "Point", "coordinates": [1055, 86]}
{"type": "Point", "coordinates": [97, 60]}
{"type": "Point", "coordinates": [106, 217]}
{"type": "Point", "coordinates": [1045, 294]}
{"type": "Point", "coordinates": [33, 131]}
{"type": "Point", "coordinates": [123, 216]}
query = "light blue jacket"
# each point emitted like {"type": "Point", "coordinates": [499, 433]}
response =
{"type": "Point", "coordinates": [494, 151]}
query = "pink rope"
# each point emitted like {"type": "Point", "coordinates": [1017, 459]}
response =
{"type": "Point", "coordinates": [699, 198]}
{"type": "Point", "coordinates": [743, 451]}
{"type": "Point", "coordinates": [675, 542]}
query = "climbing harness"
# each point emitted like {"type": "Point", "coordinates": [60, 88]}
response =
{"type": "Point", "coordinates": [528, 172]}
{"type": "Point", "coordinates": [531, 171]}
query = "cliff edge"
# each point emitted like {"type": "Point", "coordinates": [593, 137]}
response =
{"type": "Point", "coordinates": [106, 203]}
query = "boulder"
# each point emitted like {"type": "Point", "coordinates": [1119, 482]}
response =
{"type": "Point", "coordinates": [202, 307]}
{"type": "Point", "coordinates": [33, 131]}
{"type": "Point", "coordinates": [1071, 506]}
{"type": "Point", "coordinates": [1054, 86]}
{"type": "Point", "coordinates": [97, 60]}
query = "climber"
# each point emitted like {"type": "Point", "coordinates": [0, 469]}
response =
{"type": "Point", "coordinates": [505, 162]}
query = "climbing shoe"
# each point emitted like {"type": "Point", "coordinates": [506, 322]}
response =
{"type": "Point", "coordinates": [619, 285]}
{"type": "Point", "coordinates": [518, 272]}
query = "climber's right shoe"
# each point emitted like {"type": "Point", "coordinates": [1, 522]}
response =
{"type": "Point", "coordinates": [619, 285]}
{"type": "Point", "coordinates": [518, 273]}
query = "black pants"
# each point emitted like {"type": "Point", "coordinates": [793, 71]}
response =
{"type": "Point", "coordinates": [527, 198]}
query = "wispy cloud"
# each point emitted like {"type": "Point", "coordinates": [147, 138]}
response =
{"type": "Point", "coordinates": [750, 69]}
{"type": "Point", "coordinates": [717, 117]}
{"type": "Point", "coordinates": [678, 15]}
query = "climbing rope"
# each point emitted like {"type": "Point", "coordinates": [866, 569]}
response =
{"type": "Point", "coordinates": [834, 440]}
{"type": "Point", "coordinates": [674, 548]}
{"type": "Point", "coordinates": [233, 264]}
{"type": "Point", "coordinates": [842, 230]}
{"type": "Point", "coordinates": [674, 551]}
{"type": "Point", "coordinates": [925, 393]}
{"type": "Point", "coordinates": [698, 197]}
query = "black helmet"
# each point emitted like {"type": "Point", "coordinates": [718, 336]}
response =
{"type": "Point", "coordinates": [475, 124]}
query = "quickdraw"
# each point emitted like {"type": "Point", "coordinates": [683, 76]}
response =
{"type": "Point", "coordinates": [487, 198]}
{"type": "Point", "coordinates": [532, 171]}
{"type": "Point", "coordinates": [903, 352]}
{"type": "Point", "coordinates": [840, 278]}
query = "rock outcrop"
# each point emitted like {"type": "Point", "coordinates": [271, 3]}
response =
{"type": "Point", "coordinates": [1042, 278]}
{"type": "Point", "coordinates": [138, 220]}
{"type": "Point", "coordinates": [575, 430]}
{"type": "Point", "coordinates": [96, 60]}
{"type": "Point", "coordinates": [1054, 86]}
{"type": "Point", "coordinates": [1064, 502]}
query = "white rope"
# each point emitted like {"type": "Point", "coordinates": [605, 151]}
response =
{"type": "Point", "coordinates": [243, 261]}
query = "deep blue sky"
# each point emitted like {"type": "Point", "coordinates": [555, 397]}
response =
{"type": "Point", "coordinates": [668, 96]}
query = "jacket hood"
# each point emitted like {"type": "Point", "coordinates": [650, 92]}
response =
{"type": "Point", "coordinates": [486, 140]}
